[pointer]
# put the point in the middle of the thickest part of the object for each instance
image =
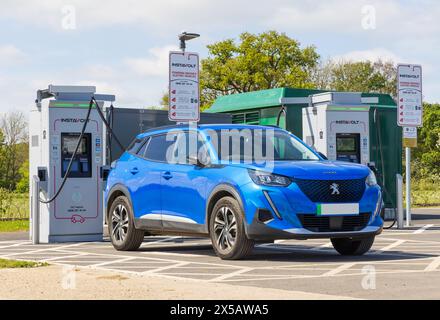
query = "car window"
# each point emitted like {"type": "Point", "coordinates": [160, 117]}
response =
{"type": "Point", "coordinates": [186, 144]}
{"type": "Point", "coordinates": [257, 145]}
{"type": "Point", "coordinates": [135, 145]}
{"type": "Point", "coordinates": [141, 151]}
{"type": "Point", "coordinates": [159, 147]}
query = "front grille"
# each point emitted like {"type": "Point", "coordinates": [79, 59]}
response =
{"type": "Point", "coordinates": [337, 223]}
{"type": "Point", "coordinates": [321, 191]}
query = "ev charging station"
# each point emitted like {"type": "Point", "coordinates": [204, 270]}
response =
{"type": "Point", "coordinates": [337, 125]}
{"type": "Point", "coordinates": [75, 212]}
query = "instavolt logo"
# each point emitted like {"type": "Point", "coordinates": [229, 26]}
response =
{"type": "Point", "coordinates": [183, 65]}
{"type": "Point", "coordinates": [73, 120]}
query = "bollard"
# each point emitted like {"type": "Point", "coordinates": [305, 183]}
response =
{"type": "Point", "coordinates": [399, 186]}
{"type": "Point", "coordinates": [35, 210]}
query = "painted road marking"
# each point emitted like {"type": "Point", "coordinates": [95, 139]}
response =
{"type": "Point", "coordinates": [113, 261]}
{"type": "Point", "coordinates": [339, 269]}
{"type": "Point", "coordinates": [176, 265]}
{"type": "Point", "coordinates": [422, 229]}
{"type": "Point", "coordinates": [433, 265]}
{"type": "Point", "coordinates": [232, 274]}
{"type": "Point", "coordinates": [389, 247]}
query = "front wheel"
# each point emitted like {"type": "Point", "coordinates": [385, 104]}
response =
{"type": "Point", "coordinates": [123, 234]}
{"type": "Point", "coordinates": [352, 247]}
{"type": "Point", "coordinates": [226, 229]}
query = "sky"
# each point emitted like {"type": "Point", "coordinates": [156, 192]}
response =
{"type": "Point", "coordinates": [121, 47]}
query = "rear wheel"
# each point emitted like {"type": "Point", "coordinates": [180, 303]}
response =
{"type": "Point", "coordinates": [352, 247]}
{"type": "Point", "coordinates": [123, 234]}
{"type": "Point", "coordinates": [227, 232]}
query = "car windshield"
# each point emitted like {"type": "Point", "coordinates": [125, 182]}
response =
{"type": "Point", "coordinates": [258, 145]}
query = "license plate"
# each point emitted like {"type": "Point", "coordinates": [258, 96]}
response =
{"type": "Point", "coordinates": [337, 209]}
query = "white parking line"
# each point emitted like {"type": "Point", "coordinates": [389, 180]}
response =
{"type": "Point", "coordinates": [13, 245]}
{"type": "Point", "coordinates": [389, 247]}
{"type": "Point", "coordinates": [231, 274]}
{"type": "Point", "coordinates": [433, 265]}
{"type": "Point", "coordinates": [156, 270]}
{"type": "Point", "coordinates": [113, 261]}
{"type": "Point", "coordinates": [422, 229]}
{"type": "Point", "coordinates": [339, 269]}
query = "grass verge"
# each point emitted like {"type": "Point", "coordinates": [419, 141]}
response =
{"type": "Point", "coordinates": [4, 264]}
{"type": "Point", "coordinates": [14, 225]}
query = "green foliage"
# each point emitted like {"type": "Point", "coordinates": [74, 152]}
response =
{"type": "Point", "coordinates": [14, 225]}
{"type": "Point", "coordinates": [13, 148]}
{"type": "Point", "coordinates": [426, 157]}
{"type": "Point", "coordinates": [262, 61]}
{"type": "Point", "coordinates": [13, 205]}
{"type": "Point", "coordinates": [365, 76]}
{"type": "Point", "coordinates": [23, 183]}
{"type": "Point", "coordinates": [20, 264]}
{"type": "Point", "coordinates": [6, 200]}
{"type": "Point", "coordinates": [424, 191]}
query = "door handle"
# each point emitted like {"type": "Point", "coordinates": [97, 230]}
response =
{"type": "Point", "coordinates": [167, 175]}
{"type": "Point", "coordinates": [134, 170]}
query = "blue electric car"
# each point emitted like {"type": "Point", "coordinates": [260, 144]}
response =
{"type": "Point", "coordinates": [239, 185]}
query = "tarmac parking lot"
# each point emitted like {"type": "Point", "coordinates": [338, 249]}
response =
{"type": "Point", "coordinates": [402, 263]}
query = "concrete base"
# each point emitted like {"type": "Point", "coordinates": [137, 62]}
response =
{"type": "Point", "coordinates": [76, 238]}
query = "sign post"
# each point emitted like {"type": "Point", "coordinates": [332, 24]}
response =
{"type": "Point", "coordinates": [409, 116]}
{"type": "Point", "coordinates": [184, 97]}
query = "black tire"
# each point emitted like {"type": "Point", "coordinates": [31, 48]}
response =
{"type": "Point", "coordinates": [130, 238]}
{"type": "Point", "coordinates": [352, 247]}
{"type": "Point", "coordinates": [227, 249]}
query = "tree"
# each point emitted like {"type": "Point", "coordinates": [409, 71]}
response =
{"type": "Point", "coordinates": [427, 153]}
{"type": "Point", "coordinates": [364, 76]}
{"type": "Point", "coordinates": [262, 61]}
{"type": "Point", "coordinates": [23, 183]}
{"type": "Point", "coordinates": [15, 148]}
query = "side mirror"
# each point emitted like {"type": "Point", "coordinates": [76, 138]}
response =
{"type": "Point", "coordinates": [372, 167]}
{"type": "Point", "coordinates": [322, 155]}
{"type": "Point", "coordinates": [201, 160]}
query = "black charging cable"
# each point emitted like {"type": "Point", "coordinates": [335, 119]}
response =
{"type": "Point", "coordinates": [69, 167]}
{"type": "Point", "coordinates": [108, 125]}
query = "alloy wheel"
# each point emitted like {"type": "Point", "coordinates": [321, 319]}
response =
{"type": "Point", "coordinates": [225, 229]}
{"type": "Point", "coordinates": [119, 223]}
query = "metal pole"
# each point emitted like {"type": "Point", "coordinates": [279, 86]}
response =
{"type": "Point", "coordinates": [35, 210]}
{"type": "Point", "coordinates": [408, 186]}
{"type": "Point", "coordinates": [399, 184]}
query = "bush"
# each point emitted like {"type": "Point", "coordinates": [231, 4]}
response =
{"type": "Point", "coordinates": [13, 205]}
{"type": "Point", "coordinates": [6, 198]}
{"type": "Point", "coordinates": [425, 191]}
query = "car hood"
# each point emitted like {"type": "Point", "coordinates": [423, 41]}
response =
{"type": "Point", "coordinates": [321, 170]}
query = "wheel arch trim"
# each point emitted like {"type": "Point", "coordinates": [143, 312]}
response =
{"type": "Point", "coordinates": [221, 189]}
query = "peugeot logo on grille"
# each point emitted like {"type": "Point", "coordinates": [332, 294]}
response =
{"type": "Point", "coordinates": [334, 187]}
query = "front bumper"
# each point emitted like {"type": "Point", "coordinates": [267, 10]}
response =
{"type": "Point", "coordinates": [260, 231]}
{"type": "Point", "coordinates": [286, 204]}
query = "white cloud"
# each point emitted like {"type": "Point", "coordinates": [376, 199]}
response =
{"type": "Point", "coordinates": [156, 64]}
{"type": "Point", "coordinates": [10, 54]}
{"type": "Point", "coordinates": [163, 15]}
{"type": "Point", "coordinates": [372, 55]}
{"type": "Point", "coordinates": [393, 17]}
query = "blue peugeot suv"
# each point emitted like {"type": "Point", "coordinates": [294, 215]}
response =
{"type": "Point", "coordinates": [238, 185]}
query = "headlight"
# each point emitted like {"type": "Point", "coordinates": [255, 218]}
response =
{"type": "Point", "coordinates": [371, 179]}
{"type": "Point", "coordinates": [268, 179]}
